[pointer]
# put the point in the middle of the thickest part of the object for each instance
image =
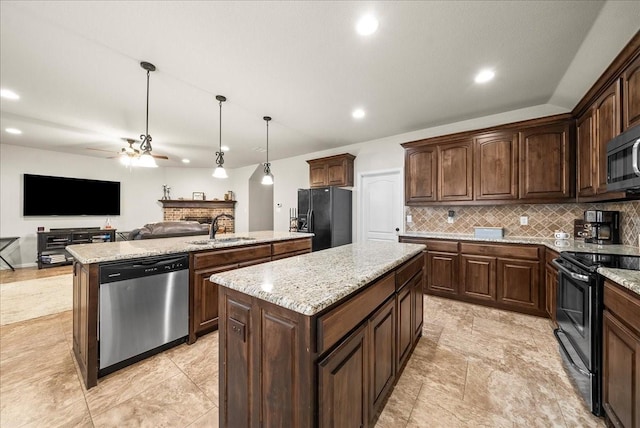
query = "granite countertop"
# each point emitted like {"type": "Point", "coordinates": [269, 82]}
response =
{"type": "Point", "coordinates": [309, 283]}
{"type": "Point", "coordinates": [629, 279]}
{"type": "Point", "coordinates": [554, 244]}
{"type": "Point", "coordinates": [123, 250]}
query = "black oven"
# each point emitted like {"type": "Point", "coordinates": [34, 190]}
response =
{"type": "Point", "coordinates": [623, 161]}
{"type": "Point", "coordinates": [579, 315]}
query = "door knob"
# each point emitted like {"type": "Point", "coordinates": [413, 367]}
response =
{"type": "Point", "coordinates": [397, 229]}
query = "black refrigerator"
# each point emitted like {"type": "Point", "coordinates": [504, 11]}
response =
{"type": "Point", "coordinates": [326, 212]}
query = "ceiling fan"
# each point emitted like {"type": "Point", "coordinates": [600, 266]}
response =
{"type": "Point", "coordinates": [129, 155]}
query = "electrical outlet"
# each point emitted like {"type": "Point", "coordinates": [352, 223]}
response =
{"type": "Point", "coordinates": [524, 220]}
{"type": "Point", "coordinates": [409, 219]}
{"type": "Point", "coordinates": [450, 220]}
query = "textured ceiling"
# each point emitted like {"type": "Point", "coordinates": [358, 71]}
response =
{"type": "Point", "coordinates": [76, 67]}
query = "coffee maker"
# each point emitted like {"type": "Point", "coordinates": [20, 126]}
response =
{"type": "Point", "coordinates": [604, 226]}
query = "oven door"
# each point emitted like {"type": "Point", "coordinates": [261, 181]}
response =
{"type": "Point", "coordinates": [574, 310]}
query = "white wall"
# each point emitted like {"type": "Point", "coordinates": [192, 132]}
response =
{"type": "Point", "coordinates": [142, 188]}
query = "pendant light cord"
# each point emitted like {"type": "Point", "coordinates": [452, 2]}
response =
{"type": "Point", "coordinates": [145, 146]}
{"type": "Point", "coordinates": [267, 141]}
{"type": "Point", "coordinates": [219, 154]}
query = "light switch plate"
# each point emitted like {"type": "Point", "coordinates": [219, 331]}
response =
{"type": "Point", "coordinates": [524, 220]}
{"type": "Point", "coordinates": [409, 219]}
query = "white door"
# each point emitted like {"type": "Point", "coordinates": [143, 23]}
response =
{"type": "Point", "coordinates": [381, 206]}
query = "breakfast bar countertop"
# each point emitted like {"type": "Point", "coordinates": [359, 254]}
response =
{"type": "Point", "coordinates": [309, 283]}
{"type": "Point", "coordinates": [124, 250]}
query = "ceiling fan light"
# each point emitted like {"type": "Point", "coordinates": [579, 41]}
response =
{"type": "Point", "coordinates": [147, 161]}
{"type": "Point", "coordinates": [125, 159]}
{"type": "Point", "coordinates": [219, 172]}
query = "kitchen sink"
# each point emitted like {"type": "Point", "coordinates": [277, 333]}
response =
{"type": "Point", "coordinates": [222, 240]}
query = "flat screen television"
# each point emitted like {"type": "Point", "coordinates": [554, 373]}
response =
{"type": "Point", "coordinates": [45, 195]}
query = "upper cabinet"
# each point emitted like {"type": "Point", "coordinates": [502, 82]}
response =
{"type": "Point", "coordinates": [631, 95]}
{"type": "Point", "coordinates": [496, 166]}
{"type": "Point", "coordinates": [545, 162]}
{"type": "Point", "coordinates": [331, 171]}
{"type": "Point", "coordinates": [528, 163]}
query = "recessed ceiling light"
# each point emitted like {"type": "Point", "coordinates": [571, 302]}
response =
{"type": "Point", "coordinates": [9, 94]}
{"type": "Point", "coordinates": [225, 148]}
{"type": "Point", "coordinates": [484, 76]}
{"type": "Point", "coordinates": [367, 25]}
{"type": "Point", "coordinates": [358, 113]}
{"type": "Point", "coordinates": [185, 161]}
{"type": "Point", "coordinates": [13, 131]}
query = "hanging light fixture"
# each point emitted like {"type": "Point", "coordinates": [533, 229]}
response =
{"type": "Point", "coordinates": [268, 177]}
{"type": "Point", "coordinates": [219, 172]}
{"type": "Point", "coordinates": [146, 159]}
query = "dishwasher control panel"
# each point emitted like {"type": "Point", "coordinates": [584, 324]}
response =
{"type": "Point", "coordinates": [138, 268]}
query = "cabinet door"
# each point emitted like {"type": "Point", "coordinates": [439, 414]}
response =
{"type": "Point", "coordinates": [496, 166]}
{"type": "Point", "coordinates": [342, 377]}
{"type": "Point", "coordinates": [205, 299]}
{"type": "Point", "coordinates": [478, 277]}
{"type": "Point", "coordinates": [336, 173]}
{"type": "Point", "coordinates": [442, 273]}
{"type": "Point", "coordinates": [317, 175]}
{"type": "Point", "coordinates": [382, 342]}
{"type": "Point", "coordinates": [621, 373]}
{"type": "Point", "coordinates": [607, 125]}
{"type": "Point", "coordinates": [545, 162]}
{"type": "Point", "coordinates": [631, 95]}
{"type": "Point", "coordinates": [551, 290]}
{"type": "Point", "coordinates": [586, 151]}
{"type": "Point", "coordinates": [420, 175]}
{"type": "Point", "coordinates": [455, 162]}
{"type": "Point", "coordinates": [518, 283]}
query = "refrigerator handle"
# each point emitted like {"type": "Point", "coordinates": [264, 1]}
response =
{"type": "Point", "coordinates": [310, 220]}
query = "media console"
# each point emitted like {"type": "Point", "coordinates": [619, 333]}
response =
{"type": "Point", "coordinates": [51, 245]}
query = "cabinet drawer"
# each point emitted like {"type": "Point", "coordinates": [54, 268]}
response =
{"type": "Point", "coordinates": [230, 256]}
{"type": "Point", "coordinates": [444, 246]}
{"type": "Point", "coordinates": [503, 250]}
{"type": "Point", "coordinates": [408, 270]}
{"type": "Point", "coordinates": [291, 246]}
{"type": "Point", "coordinates": [622, 304]}
{"type": "Point", "coordinates": [337, 323]}
{"type": "Point", "coordinates": [287, 255]}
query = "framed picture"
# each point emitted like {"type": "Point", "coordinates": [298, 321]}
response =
{"type": "Point", "coordinates": [198, 196]}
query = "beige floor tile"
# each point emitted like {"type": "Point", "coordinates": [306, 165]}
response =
{"type": "Point", "coordinates": [176, 402]}
{"type": "Point", "coordinates": [522, 320]}
{"type": "Point", "coordinates": [42, 397]}
{"type": "Point", "coordinates": [208, 420]}
{"type": "Point", "coordinates": [75, 414]}
{"type": "Point", "coordinates": [36, 334]}
{"type": "Point", "coordinates": [397, 410]}
{"type": "Point", "coordinates": [511, 332]}
{"type": "Point", "coordinates": [124, 384]}
{"type": "Point", "coordinates": [445, 370]}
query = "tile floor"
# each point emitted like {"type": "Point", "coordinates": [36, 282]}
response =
{"type": "Point", "coordinates": [473, 367]}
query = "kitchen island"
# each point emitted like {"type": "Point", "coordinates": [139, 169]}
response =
{"type": "Point", "coordinates": [319, 339]}
{"type": "Point", "coordinates": [205, 256]}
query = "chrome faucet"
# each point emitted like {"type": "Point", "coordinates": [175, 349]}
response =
{"type": "Point", "coordinates": [214, 224]}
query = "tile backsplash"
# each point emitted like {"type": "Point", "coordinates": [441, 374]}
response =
{"type": "Point", "coordinates": [544, 219]}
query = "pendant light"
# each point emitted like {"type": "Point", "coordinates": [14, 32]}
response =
{"type": "Point", "coordinates": [268, 177]}
{"type": "Point", "coordinates": [219, 172]}
{"type": "Point", "coordinates": [146, 159]}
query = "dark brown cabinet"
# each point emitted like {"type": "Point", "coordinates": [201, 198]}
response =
{"type": "Point", "coordinates": [421, 172]}
{"type": "Point", "coordinates": [546, 162]}
{"type": "Point", "coordinates": [455, 171]}
{"type": "Point", "coordinates": [478, 276]}
{"type": "Point", "coordinates": [496, 166]}
{"type": "Point", "coordinates": [586, 155]}
{"type": "Point", "coordinates": [621, 356]}
{"type": "Point", "coordinates": [331, 171]}
{"type": "Point", "coordinates": [405, 327]}
{"type": "Point", "coordinates": [551, 285]}
{"type": "Point", "coordinates": [382, 340]}
{"type": "Point", "coordinates": [631, 95]}
{"type": "Point", "coordinates": [606, 113]}
{"type": "Point", "coordinates": [442, 277]}
{"type": "Point", "coordinates": [342, 377]}
{"type": "Point", "coordinates": [519, 283]}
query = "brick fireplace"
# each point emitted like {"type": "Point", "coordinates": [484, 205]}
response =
{"type": "Point", "coordinates": [200, 211]}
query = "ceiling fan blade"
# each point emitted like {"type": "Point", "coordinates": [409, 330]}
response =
{"type": "Point", "coordinates": [101, 150]}
{"type": "Point", "coordinates": [160, 157]}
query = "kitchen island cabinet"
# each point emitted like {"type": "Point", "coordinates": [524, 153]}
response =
{"type": "Point", "coordinates": [205, 258]}
{"type": "Point", "coordinates": [317, 341]}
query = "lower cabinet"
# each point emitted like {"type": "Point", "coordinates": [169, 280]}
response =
{"type": "Point", "coordinates": [621, 357]}
{"type": "Point", "coordinates": [382, 350]}
{"type": "Point", "coordinates": [442, 271]}
{"type": "Point", "coordinates": [342, 379]}
{"type": "Point", "coordinates": [203, 307]}
{"type": "Point", "coordinates": [519, 283]}
{"type": "Point", "coordinates": [478, 277]}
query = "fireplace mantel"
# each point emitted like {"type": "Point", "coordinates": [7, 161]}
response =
{"type": "Point", "coordinates": [190, 203]}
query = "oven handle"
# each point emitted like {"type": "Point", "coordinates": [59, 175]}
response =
{"type": "Point", "coordinates": [577, 276]}
{"type": "Point", "coordinates": [566, 353]}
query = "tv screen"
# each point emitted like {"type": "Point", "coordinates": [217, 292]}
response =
{"type": "Point", "coordinates": [46, 195]}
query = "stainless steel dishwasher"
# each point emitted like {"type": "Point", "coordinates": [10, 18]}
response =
{"type": "Point", "coordinates": [143, 309]}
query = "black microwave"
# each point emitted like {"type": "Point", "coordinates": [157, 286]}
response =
{"type": "Point", "coordinates": [623, 170]}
